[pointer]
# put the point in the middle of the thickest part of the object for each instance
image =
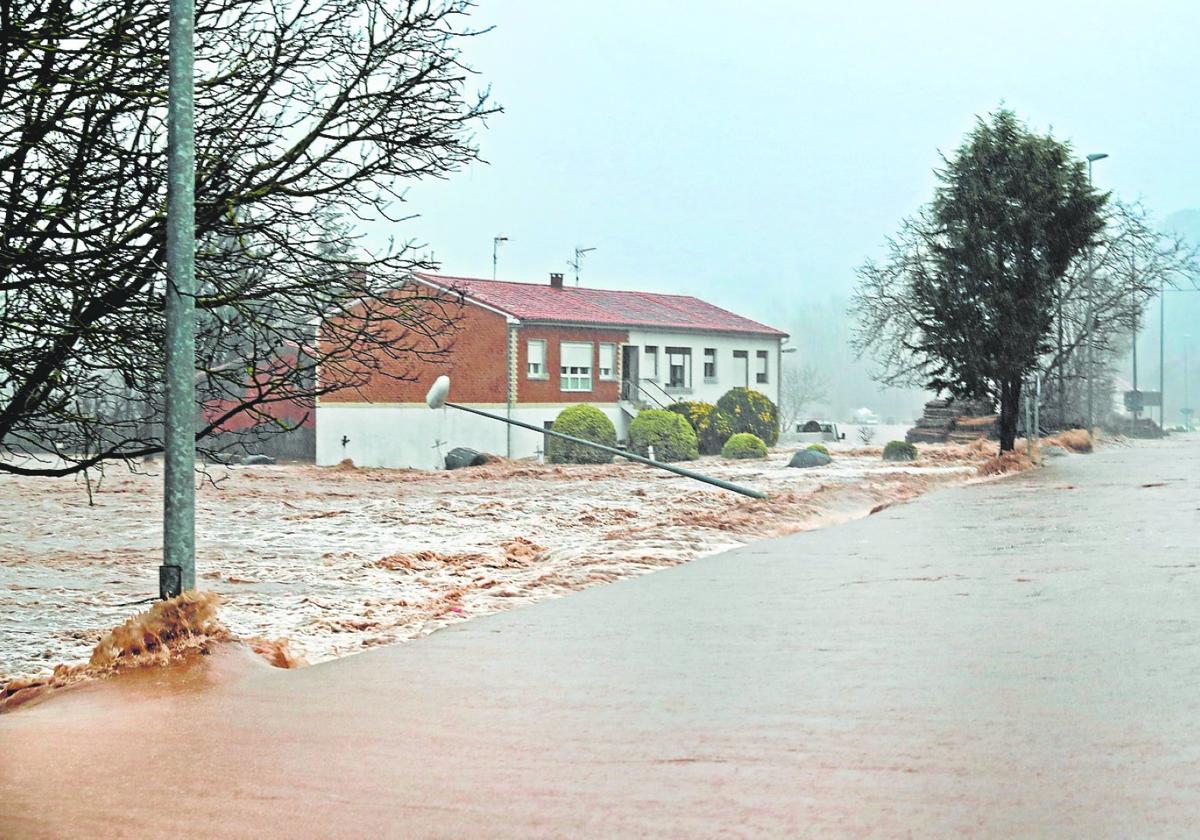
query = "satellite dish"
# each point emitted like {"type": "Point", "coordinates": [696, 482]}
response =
{"type": "Point", "coordinates": [436, 398]}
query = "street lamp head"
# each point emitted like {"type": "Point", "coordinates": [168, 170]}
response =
{"type": "Point", "coordinates": [500, 238]}
{"type": "Point", "coordinates": [436, 398]}
{"type": "Point", "coordinates": [1097, 156]}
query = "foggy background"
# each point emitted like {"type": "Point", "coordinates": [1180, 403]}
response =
{"type": "Point", "coordinates": [756, 154]}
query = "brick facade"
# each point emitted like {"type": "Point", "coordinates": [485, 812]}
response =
{"type": "Point", "coordinates": [548, 390]}
{"type": "Point", "coordinates": [476, 359]}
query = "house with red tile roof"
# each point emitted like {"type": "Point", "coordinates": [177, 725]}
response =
{"type": "Point", "coordinates": [529, 350]}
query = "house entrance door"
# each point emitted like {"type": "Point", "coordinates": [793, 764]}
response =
{"type": "Point", "coordinates": [629, 372]}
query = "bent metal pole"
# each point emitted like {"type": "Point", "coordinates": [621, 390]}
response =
{"type": "Point", "coordinates": [441, 389]}
{"type": "Point", "coordinates": [178, 571]}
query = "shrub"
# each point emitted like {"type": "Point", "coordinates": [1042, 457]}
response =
{"type": "Point", "coordinates": [899, 450]}
{"type": "Point", "coordinates": [750, 411]}
{"type": "Point", "coordinates": [819, 447]}
{"type": "Point", "coordinates": [744, 445]}
{"type": "Point", "coordinates": [581, 421]}
{"type": "Point", "coordinates": [712, 427]}
{"type": "Point", "coordinates": [671, 436]}
{"type": "Point", "coordinates": [691, 410]}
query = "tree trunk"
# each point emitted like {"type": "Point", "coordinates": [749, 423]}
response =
{"type": "Point", "coordinates": [1010, 405]}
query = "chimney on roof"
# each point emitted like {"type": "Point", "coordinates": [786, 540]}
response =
{"type": "Point", "coordinates": [556, 280]}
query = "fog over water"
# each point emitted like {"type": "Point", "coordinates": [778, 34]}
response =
{"type": "Point", "coordinates": [756, 157]}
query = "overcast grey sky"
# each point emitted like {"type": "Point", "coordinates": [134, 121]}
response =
{"type": "Point", "coordinates": [757, 152]}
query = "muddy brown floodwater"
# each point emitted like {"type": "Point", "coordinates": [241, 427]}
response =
{"type": "Point", "coordinates": [336, 560]}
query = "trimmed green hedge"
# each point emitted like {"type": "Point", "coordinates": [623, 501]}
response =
{"type": "Point", "coordinates": [751, 411]}
{"type": "Point", "coordinates": [581, 421]}
{"type": "Point", "coordinates": [668, 432]}
{"type": "Point", "coordinates": [744, 445]}
{"type": "Point", "coordinates": [899, 450]}
{"type": "Point", "coordinates": [818, 447]}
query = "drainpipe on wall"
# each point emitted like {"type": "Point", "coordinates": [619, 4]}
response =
{"type": "Point", "coordinates": [511, 359]}
{"type": "Point", "coordinates": [779, 381]}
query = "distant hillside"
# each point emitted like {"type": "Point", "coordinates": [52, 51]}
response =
{"type": "Point", "coordinates": [1185, 223]}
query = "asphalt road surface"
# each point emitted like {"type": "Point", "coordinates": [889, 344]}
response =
{"type": "Point", "coordinates": [1018, 658]}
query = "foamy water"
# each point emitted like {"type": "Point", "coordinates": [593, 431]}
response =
{"type": "Point", "coordinates": [338, 560]}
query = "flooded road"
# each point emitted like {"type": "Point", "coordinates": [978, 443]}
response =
{"type": "Point", "coordinates": [338, 560]}
{"type": "Point", "coordinates": [1016, 658]}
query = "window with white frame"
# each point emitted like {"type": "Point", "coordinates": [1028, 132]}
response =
{"type": "Point", "coordinates": [741, 368]}
{"type": "Point", "coordinates": [575, 366]}
{"type": "Point", "coordinates": [679, 367]}
{"type": "Point", "coordinates": [760, 375]}
{"type": "Point", "coordinates": [535, 359]}
{"type": "Point", "coordinates": [650, 362]}
{"type": "Point", "coordinates": [710, 364]}
{"type": "Point", "coordinates": [606, 368]}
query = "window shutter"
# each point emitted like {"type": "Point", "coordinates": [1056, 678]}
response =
{"type": "Point", "coordinates": [576, 355]}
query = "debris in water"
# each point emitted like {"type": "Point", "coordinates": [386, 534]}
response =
{"type": "Point", "coordinates": [1072, 440]}
{"type": "Point", "coordinates": [1005, 462]}
{"type": "Point", "coordinates": [164, 629]}
{"type": "Point", "coordinates": [168, 630]}
{"type": "Point", "coordinates": [278, 652]}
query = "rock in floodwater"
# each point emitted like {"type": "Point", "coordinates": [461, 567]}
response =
{"type": "Point", "coordinates": [1053, 451]}
{"type": "Point", "coordinates": [809, 458]}
{"type": "Point", "coordinates": [461, 456]}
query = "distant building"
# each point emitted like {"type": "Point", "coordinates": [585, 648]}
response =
{"type": "Point", "coordinates": [531, 350]}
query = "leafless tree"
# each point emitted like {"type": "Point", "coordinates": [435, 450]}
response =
{"type": "Point", "coordinates": [1131, 262]}
{"type": "Point", "coordinates": [801, 385]}
{"type": "Point", "coordinates": [310, 115]}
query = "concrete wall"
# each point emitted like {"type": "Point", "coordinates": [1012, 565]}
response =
{"type": "Point", "coordinates": [726, 377]}
{"type": "Point", "coordinates": [404, 435]}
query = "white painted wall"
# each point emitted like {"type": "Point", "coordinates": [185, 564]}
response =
{"type": "Point", "coordinates": [399, 435]}
{"type": "Point", "coordinates": [724, 345]}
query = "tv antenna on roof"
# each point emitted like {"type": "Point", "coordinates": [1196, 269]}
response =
{"type": "Point", "coordinates": [579, 252]}
{"type": "Point", "coordinates": [496, 240]}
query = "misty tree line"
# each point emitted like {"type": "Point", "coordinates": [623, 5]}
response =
{"type": "Point", "coordinates": [1017, 266]}
{"type": "Point", "coordinates": [309, 115]}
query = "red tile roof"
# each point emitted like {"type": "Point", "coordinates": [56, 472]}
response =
{"type": "Point", "coordinates": [602, 307]}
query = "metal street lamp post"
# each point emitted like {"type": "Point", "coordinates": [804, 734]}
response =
{"type": "Point", "coordinates": [1089, 356]}
{"type": "Point", "coordinates": [178, 571]}
{"type": "Point", "coordinates": [1162, 350]}
{"type": "Point", "coordinates": [1187, 406]}
{"type": "Point", "coordinates": [782, 382]}
{"type": "Point", "coordinates": [1162, 379]}
{"type": "Point", "coordinates": [439, 392]}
